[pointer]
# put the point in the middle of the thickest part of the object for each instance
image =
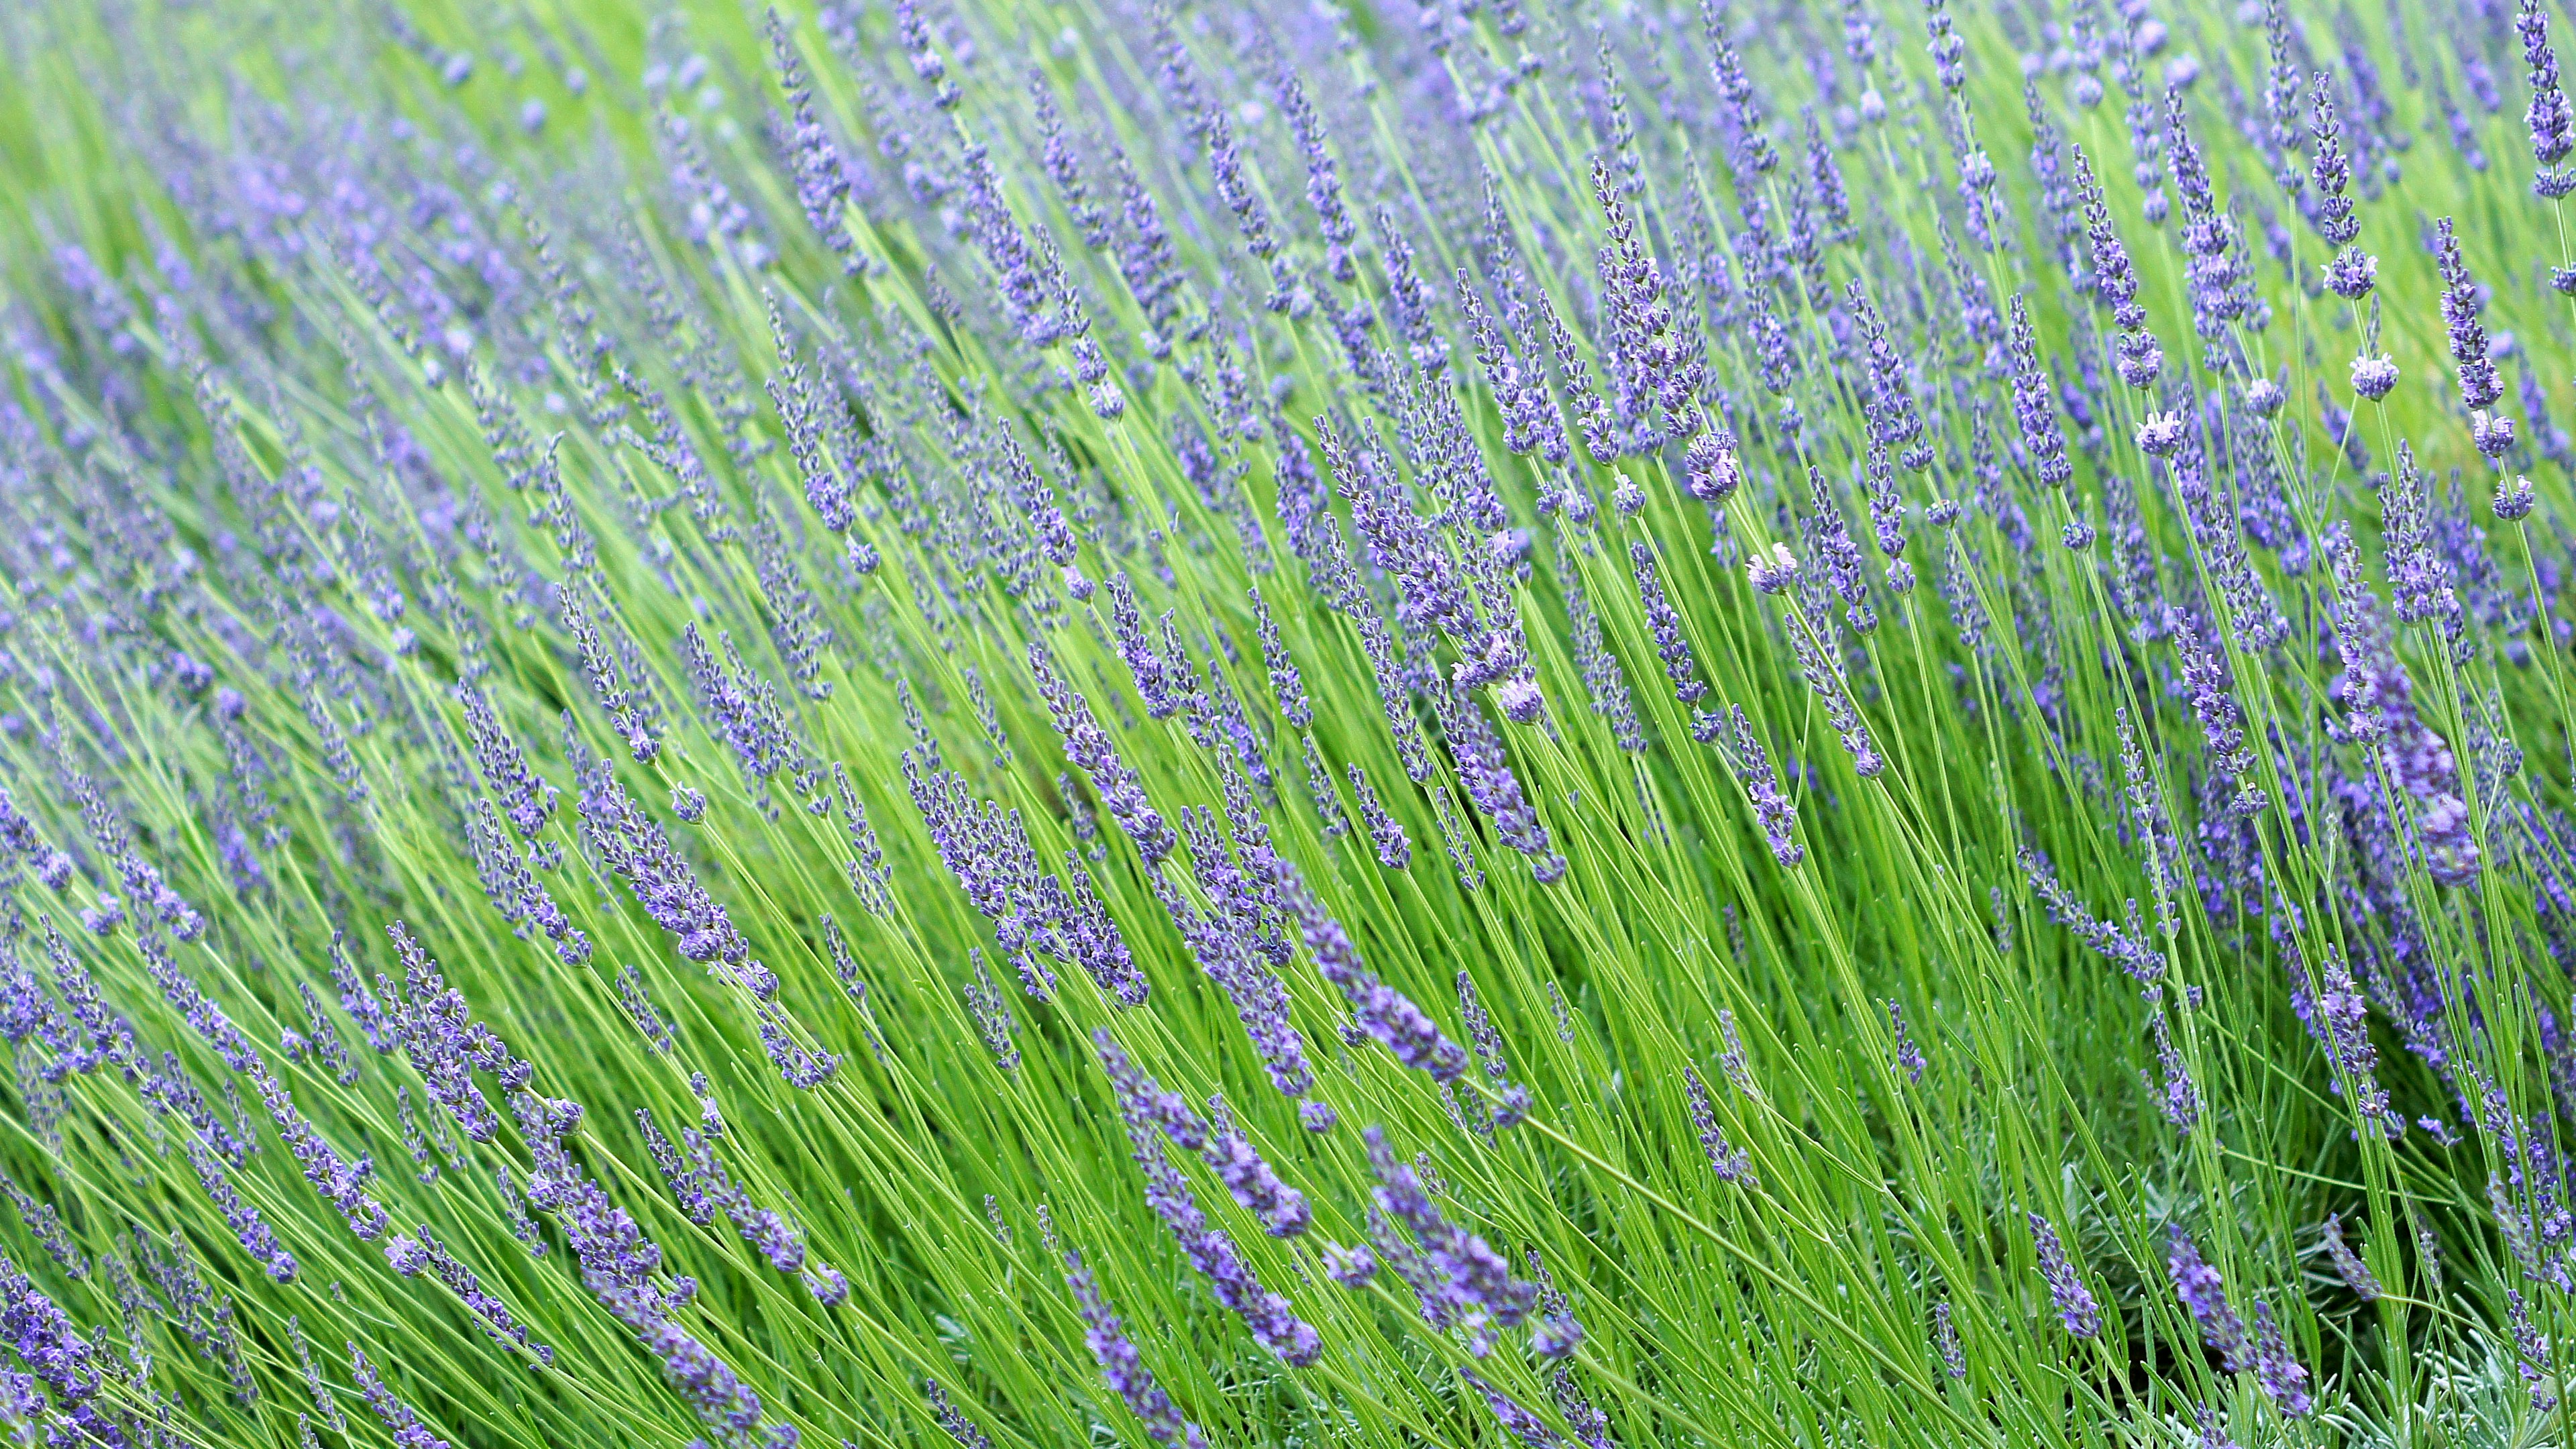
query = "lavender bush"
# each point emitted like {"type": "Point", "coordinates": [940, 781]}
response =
{"type": "Point", "coordinates": [1001, 725]}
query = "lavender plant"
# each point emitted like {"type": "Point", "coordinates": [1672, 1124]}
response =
{"type": "Point", "coordinates": [928, 722]}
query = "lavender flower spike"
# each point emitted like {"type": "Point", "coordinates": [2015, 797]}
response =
{"type": "Point", "coordinates": [44, 1338]}
{"type": "Point", "coordinates": [1150, 1113]}
{"type": "Point", "coordinates": [50, 864]}
{"type": "Point", "coordinates": [2033, 405]}
{"type": "Point", "coordinates": [2348, 1266]}
{"type": "Point", "coordinates": [1771, 806]}
{"type": "Point", "coordinates": [1459, 1280]}
{"type": "Point", "coordinates": [2552, 122]}
{"type": "Point", "coordinates": [2075, 1306]}
{"type": "Point", "coordinates": [405, 1426]}
{"type": "Point", "coordinates": [2205, 1296]}
{"type": "Point", "coordinates": [2126, 949]}
{"type": "Point", "coordinates": [1090, 747]}
{"type": "Point", "coordinates": [1385, 1013]}
{"type": "Point", "coordinates": [1732, 1164]}
{"type": "Point", "coordinates": [2281, 1376]}
{"type": "Point", "coordinates": [1121, 1367]}
{"type": "Point", "coordinates": [2480, 384]}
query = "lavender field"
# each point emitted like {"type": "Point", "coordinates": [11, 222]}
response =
{"type": "Point", "coordinates": [1498, 725]}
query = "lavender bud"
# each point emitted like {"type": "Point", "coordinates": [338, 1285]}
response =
{"type": "Point", "coordinates": [2205, 1296]}
{"type": "Point", "coordinates": [2348, 1266]}
{"type": "Point", "coordinates": [1709, 468]}
{"type": "Point", "coordinates": [2075, 1306]}
{"type": "Point", "coordinates": [1945, 1340]}
{"type": "Point", "coordinates": [1121, 1368]}
{"type": "Point", "coordinates": [1730, 1163]}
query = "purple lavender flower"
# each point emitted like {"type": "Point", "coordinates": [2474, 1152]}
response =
{"type": "Point", "coordinates": [414, 1256]}
{"type": "Point", "coordinates": [1666, 625]}
{"type": "Point", "coordinates": [2350, 274]}
{"type": "Point", "coordinates": [953, 1419]}
{"type": "Point", "coordinates": [45, 1224]}
{"type": "Point", "coordinates": [2075, 1306]}
{"type": "Point", "coordinates": [1829, 541]}
{"type": "Point", "coordinates": [1284, 681]}
{"type": "Point", "coordinates": [822, 175]}
{"type": "Point", "coordinates": [1122, 1368]}
{"type": "Point", "coordinates": [1240, 943]}
{"type": "Point", "coordinates": [2219, 531]}
{"type": "Point", "coordinates": [1603, 679]}
{"type": "Point", "coordinates": [617, 1265]}
{"type": "Point", "coordinates": [1909, 1057]}
{"type": "Point", "coordinates": [2346, 1013]}
{"type": "Point", "coordinates": [1352, 1267]}
{"type": "Point", "coordinates": [1894, 422]}
{"type": "Point", "coordinates": [2126, 949]}
{"type": "Point", "coordinates": [1526, 1428]}
{"type": "Point", "coordinates": [18, 833]}
{"type": "Point", "coordinates": [1151, 1113]}
{"type": "Point", "coordinates": [1153, 673]}
{"type": "Point", "coordinates": [2033, 407]}
{"type": "Point", "coordinates": [743, 710]}
{"type": "Point", "coordinates": [2220, 722]}
{"type": "Point", "coordinates": [2553, 126]}
{"type": "Point", "coordinates": [2531, 1351]}
{"type": "Point", "coordinates": [1824, 674]}
{"type": "Point", "coordinates": [616, 674]}
{"type": "Point", "coordinates": [341, 1182]}
{"type": "Point", "coordinates": [1382, 1011]}
{"type": "Point", "coordinates": [639, 1008]}
{"type": "Point", "coordinates": [46, 1341]}
{"type": "Point", "coordinates": [525, 798]}
{"type": "Point", "coordinates": [1458, 1280]}
{"type": "Point", "coordinates": [2205, 1297]}
{"type": "Point", "coordinates": [1731, 1163]}
{"type": "Point", "coordinates": [1089, 747]}
{"type": "Point", "coordinates": [1945, 1341]}
{"type": "Point", "coordinates": [2208, 239]}
{"type": "Point", "coordinates": [399, 1420]}
{"type": "Point", "coordinates": [1250, 1178]}
{"type": "Point", "coordinates": [1491, 785]}
{"type": "Point", "coordinates": [2480, 383]}
{"type": "Point", "coordinates": [1771, 807]}
{"type": "Point", "coordinates": [992, 1013]}
{"type": "Point", "coordinates": [1948, 49]}
{"type": "Point", "coordinates": [2161, 435]}
{"type": "Point", "coordinates": [1735, 88]}
{"type": "Point", "coordinates": [2180, 1098]}
{"type": "Point", "coordinates": [443, 1043]}
{"type": "Point", "coordinates": [2378, 696]}
{"type": "Point", "coordinates": [1732, 1060]}
{"type": "Point", "coordinates": [799, 1065]}
{"type": "Point", "coordinates": [2491, 434]}
{"type": "Point", "coordinates": [1394, 850]}
{"type": "Point", "coordinates": [1481, 1032]}
{"type": "Point", "coordinates": [248, 1226]}
{"type": "Point", "coordinates": [2281, 1376]}
{"type": "Point", "coordinates": [2348, 1265]}
{"type": "Point", "coordinates": [1710, 469]}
